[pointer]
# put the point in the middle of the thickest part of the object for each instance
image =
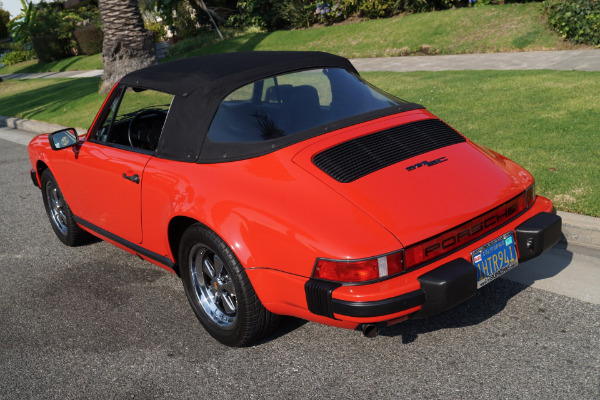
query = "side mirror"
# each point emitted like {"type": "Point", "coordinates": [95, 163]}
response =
{"type": "Point", "coordinates": [63, 138]}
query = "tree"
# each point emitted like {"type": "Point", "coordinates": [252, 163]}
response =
{"type": "Point", "coordinates": [4, 19]}
{"type": "Point", "coordinates": [20, 27]}
{"type": "Point", "coordinates": [127, 45]}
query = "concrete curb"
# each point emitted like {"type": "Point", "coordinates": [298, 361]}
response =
{"type": "Point", "coordinates": [33, 126]}
{"type": "Point", "coordinates": [579, 230]}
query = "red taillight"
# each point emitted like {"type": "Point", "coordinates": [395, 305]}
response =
{"type": "Point", "coordinates": [464, 234]}
{"type": "Point", "coordinates": [359, 270]}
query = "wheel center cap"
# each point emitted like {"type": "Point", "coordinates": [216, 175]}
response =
{"type": "Point", "coordinates": [215, 286]}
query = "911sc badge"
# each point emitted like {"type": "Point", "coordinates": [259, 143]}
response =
{"type": "Point", "coordinates": [427, 163]}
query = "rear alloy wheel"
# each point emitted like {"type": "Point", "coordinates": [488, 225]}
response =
{"type": "Point", "coordinates": [59, 213]}
{"type": "Point", "coordinates": [213, 287]}
{"type": "Point", "coordinates": [219, 290]}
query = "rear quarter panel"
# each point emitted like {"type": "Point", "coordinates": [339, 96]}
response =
{"type": "Point", "coordinates": [269, 211]}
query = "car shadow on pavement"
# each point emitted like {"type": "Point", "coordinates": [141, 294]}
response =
{"type": "Point", "coordinates": [487, 302]}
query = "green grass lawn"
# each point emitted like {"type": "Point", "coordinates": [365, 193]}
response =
{"type": "Point", "coordinates": [72, 102]}
{"type": "Point", "coordinates": [512, 27]}
{"type": "Point", "coordinates": [77, 63]}
{"type": "Point", "coordinates": [546, 121]}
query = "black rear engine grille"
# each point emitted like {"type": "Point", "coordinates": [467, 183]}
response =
{"type": "Point", "coordinates": [361, 156]}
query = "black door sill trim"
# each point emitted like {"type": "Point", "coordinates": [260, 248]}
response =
{"type": "Point", "coordinates": [136, 248]}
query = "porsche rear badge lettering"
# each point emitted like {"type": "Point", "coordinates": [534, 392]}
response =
{"type": "Point", "coordinates": [427, 163]}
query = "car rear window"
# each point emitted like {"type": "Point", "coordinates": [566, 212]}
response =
{"type": "Point", "coordinates": [287, 104]}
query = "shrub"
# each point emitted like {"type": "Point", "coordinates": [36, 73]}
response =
{"type": "Point", "coordinates": [293, 14]}
{"type": "Point", "coordinates": [51, 47]}
{"type": "Point", "coordinates": [159, 31]}
{"type": "Point", "coordinates": [282, 14]}
{"type": "Point", "coordinates": [576, 20]}
{"type": "Point", "coordinates": [89, 39]}
{"type": "Point", "coordinates": [257, 13]}
{"type": "Point", "coordinates": [373, 9]}
{"type": "Point", "coordinates": [48, 28]}
{"type": "Point", "coordinates": [16, 56]}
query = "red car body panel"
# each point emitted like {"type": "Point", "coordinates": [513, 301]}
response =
{"type": "Point", "coordinates": [406, 202]}
{"type": "Point", "coordinates": [100, 199]}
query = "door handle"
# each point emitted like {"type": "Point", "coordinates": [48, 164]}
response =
{"type": "Point", "coordinates": [133, 178]}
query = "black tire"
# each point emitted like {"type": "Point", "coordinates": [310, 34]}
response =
{"type": "Point", "coordinates": [219, 290]}
{"type": "Point", "coordinates": [60, 215]}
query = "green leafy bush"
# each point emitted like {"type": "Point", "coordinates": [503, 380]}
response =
{"type": "Point", "coordinates": [256, 13]}
{"type": "Point", "coordinates": [89, 39]}
{"type": "Point", "coordinates": [576, 20]}
{"type": "Point", "coordinates": [16, 56]}
{"type": "Point", "coordinates": [48, 28]}
{"type": "Point", "coordinates": [50, 47]}
{"type": "Point", "coordinates": [282, 14]}
{"type": "Point", "coordinates": [292, 14]}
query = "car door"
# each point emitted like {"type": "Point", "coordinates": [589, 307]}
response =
{"type": "Point", "coordinates": [107, 170]}
{"type": "Point", "coordinates": [109, 189]}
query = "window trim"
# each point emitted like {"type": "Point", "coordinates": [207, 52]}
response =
{"type": "Point", "coordinates": [117, 96]}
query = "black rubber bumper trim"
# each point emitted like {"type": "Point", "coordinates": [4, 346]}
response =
{"type": "Point", "coordinates": [136, 248]}
{"type": "Point", "coordinates": [366, 309]}
{"type": "Point", "coordinates": [34, 178]}
{"type": "Point", "coordinates": [318, 296]}
{"type": "Point", "coordinates": [447, 286]}
{"type": "Point", "coordinates": [538, 234]}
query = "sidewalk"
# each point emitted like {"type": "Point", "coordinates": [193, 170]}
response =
{"type": "Point", "coordinates": [564, 60]}
{"type": "Point", "coordinates": [63, 74]}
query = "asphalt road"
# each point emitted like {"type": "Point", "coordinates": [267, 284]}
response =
{"type": "Point", "coordinates": [96, 322]}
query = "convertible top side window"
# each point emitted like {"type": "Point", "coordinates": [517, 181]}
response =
{"type": "Point", "coordinates": [134, 119]}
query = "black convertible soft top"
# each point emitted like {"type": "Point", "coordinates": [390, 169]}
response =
{"type": "Point", "coordinates": [228, 71]}
{"type": "Point", "coordinates": [199, 84]}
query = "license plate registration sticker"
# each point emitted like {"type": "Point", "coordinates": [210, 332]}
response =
{"type": "Point", "coordinates": [495, 258]}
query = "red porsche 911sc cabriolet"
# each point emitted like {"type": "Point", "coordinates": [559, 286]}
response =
{"type": "Point", "coordinates": [281, 183]}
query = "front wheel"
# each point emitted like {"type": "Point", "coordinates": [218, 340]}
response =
{"type": "Point", "coordinates": [219, 290]}
{"type": "Point", "coordinates": [60, 215]}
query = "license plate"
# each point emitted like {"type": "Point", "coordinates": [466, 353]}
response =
{"type": "Point", "coordinates": [495, 258]}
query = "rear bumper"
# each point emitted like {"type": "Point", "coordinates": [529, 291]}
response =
{"type": "Point", "coordinates": [440, 288]}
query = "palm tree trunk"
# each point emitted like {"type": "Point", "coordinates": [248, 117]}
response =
{"type": "Point", "coordinates": [127, 45]}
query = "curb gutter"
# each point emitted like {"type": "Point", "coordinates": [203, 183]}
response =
{"type": "Point", "coordinates": [577, 229]}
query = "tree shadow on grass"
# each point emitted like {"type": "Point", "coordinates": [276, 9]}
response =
{"type": "Point", "coordinates": [71, 61]}
{"type": "Point", "coordinates": [247, 42]}
{"type": "Point", "coordinates": [51, 102]}
{"type": "Point", "coordinates": [47, 67]}
{"type": "Point", "coordinates": [253, 42]}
